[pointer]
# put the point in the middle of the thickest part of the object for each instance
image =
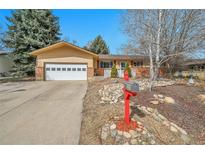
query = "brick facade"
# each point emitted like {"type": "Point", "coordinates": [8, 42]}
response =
{"type": "Point", "coordinates": [39, 73]}
{"type": "Point", "coordinates": [90, 72]}
{"type": "Point", "coordinates": [141, 72]}
{"type": "Point", "coordinates": [144, 72]}
{"type": "Point", "coordinates": [100, 71]}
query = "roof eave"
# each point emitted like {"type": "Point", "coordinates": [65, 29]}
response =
{"type": "Point", "coordinates": [59, 44]}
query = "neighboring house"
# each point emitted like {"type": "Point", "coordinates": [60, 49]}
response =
{"type": "Point", "coordinates": [64, 61]}
{"type": "Point", "coordinates": [195, 64]}
{"type": "Point", "coordinates": [5, 63]}
{"type": "Point", "coordinates": [193, 67]}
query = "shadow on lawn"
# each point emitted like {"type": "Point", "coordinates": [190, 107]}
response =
{"type": "Point", "coordinates": [136, 111]}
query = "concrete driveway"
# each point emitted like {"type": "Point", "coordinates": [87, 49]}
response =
{"type": "Point", "coordinates": [44, 112]}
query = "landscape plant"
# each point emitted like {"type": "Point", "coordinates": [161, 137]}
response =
{"type": "Point", "coordinates": [29, 30]}
{"type": "Point", "coordinates": [114, 73]}
{"type": "Point", "coordinates": [98, 46]}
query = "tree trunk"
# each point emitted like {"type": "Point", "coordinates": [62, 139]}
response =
{"type": "Point", "coordinates": [151, 68]}
{"type": "Point", "coordinates": [158, 45]}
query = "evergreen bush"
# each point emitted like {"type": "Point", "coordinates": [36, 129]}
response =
{"type": "Point", "coordinates": [114, 73]}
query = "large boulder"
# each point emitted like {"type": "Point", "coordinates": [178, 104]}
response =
{"type": "Point", "coordinates": [169, 100]}
{"type": "Point", "coordinates": [154, 102]}
{"type": "Point", "coordinates": [201, 97]}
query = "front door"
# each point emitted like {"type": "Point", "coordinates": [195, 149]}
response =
{"type": "Point", "coordinates": [122, 68]}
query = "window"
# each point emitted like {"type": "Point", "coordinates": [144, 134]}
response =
{"type": "Point", "coordinates": [73, 69]}
{"type": "Point", "coordinates": [79, 69]}
{"type": "Point", "coordinates": [53, 69]}
{"type": "Point", "coordinates": [68, 69]}
{"type": "Point", "coordinates": [47, 69]}
{"type": "Point", "coordinates": [63, 69]}
{"type": "Point", "coordinates": [122, 64]}
{"type": "Point", "coordinates": [106, 64]}
{"type": "Point", "coordinates": [83, 69]}
{"type": "Point", "coordinates": [58, 69]}
{"type": "Point", "coordinates": [138, 63]}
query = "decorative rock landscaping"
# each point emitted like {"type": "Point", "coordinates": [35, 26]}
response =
{"type": "Point", "coordinates": [162, 99]}
{"type": "Point", "coordinates": [137, 135]}
{"type": "Point", "coordinates": [202, 98]}
{"type": "Point", "coordinates": [141, 134]}
{"type": "Point", "coordinates": [159, 120]}
{"type": "Point", "coordinates": [154, 102]}
{"type": "Point", "coordinates": [144, 83]}
{"type": "Point", "coordinates": [110, 93]}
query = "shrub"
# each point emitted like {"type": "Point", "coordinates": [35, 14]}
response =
{"type": "Point", "coordinates": [114, 73]}
{"type": "Point", "coordinates": [128, 69]}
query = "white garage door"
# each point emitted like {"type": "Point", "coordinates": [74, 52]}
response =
{"type": "Point", "coordinates": [66, 71]}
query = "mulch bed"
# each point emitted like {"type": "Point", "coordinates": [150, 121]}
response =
{"type": "Point", "coordinates": [188, 112]}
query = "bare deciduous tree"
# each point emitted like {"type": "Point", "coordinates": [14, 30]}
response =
{"type": "Point", "coordinates": [166, 36]}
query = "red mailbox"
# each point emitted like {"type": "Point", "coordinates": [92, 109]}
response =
{"type": "Point", "coordinates": [127, 124]}
{"type": "Point", "coordinates": [127, 95]}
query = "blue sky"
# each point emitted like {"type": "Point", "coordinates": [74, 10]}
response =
{"type": "Point", "coordinates": [85, 25]}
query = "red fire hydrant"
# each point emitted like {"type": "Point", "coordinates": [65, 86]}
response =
{"type": "Point", "coordinates": [126, 76]}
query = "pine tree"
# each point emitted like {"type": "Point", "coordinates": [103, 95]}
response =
{"type": "Point", "coordinates": [29, 30]}
{"type": "Point", "coordinates": [98, 46]}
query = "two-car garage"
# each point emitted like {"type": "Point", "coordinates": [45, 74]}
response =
{"type": "Point", "coordinates": [65, 72]}
{"type": "Point", "coordinates": [64, 61]}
